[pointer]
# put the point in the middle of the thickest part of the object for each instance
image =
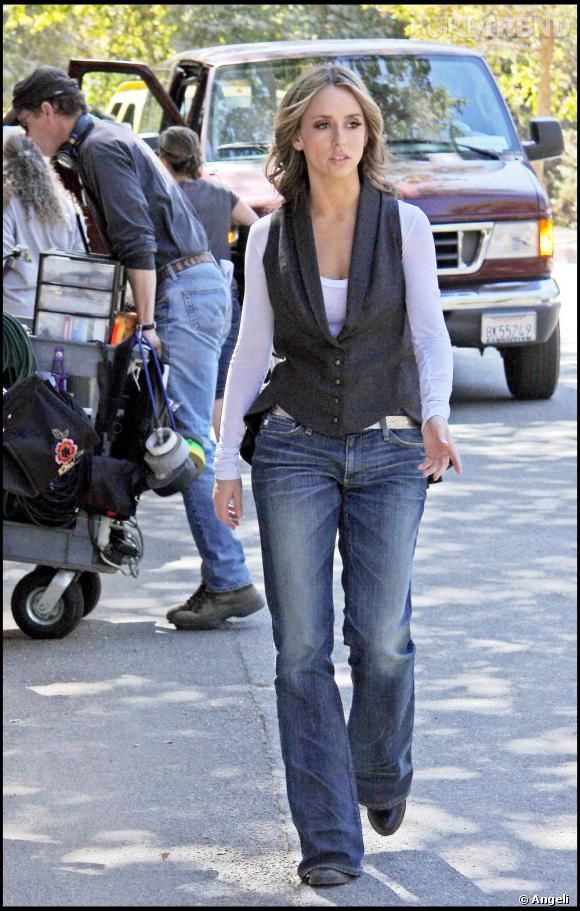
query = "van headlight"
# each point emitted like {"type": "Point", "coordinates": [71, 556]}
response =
{"type": "Point", "coordinates": [521, 240]}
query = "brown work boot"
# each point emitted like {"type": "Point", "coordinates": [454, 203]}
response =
{"type": "Point", "coordinates": [208, 610]}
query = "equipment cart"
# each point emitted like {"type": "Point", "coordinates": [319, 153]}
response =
{"type": "Point", "coordinates": [65, 586]}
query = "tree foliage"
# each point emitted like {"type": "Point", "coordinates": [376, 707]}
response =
{"type": "Point", "coordinates": [201, 25]}
{"type": "Point", "coordinates": [512, 38]}
{"type": "Point", "coordinates": [39, 35]}
{"type": "Point", "coordinates": [531, 48]}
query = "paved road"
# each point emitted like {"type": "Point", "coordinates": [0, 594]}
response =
{"type": "Point", "coordinates": [142, 765]}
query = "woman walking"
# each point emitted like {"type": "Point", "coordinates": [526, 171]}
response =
{"type": "Point", "coordinates": [341, 282]}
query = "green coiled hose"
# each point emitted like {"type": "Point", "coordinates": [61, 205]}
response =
{"type": "Point", "coordinates": [18, 362]}
{"type": "Point", "coordinates": [18, 358]}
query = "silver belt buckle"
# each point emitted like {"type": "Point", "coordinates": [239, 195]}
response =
{"type": "Point", "coordinates": [394, 422]}
{"type": "Point", "coordinates": [277, 410]}
{"type": "Point", "coordinates": [399, 422]}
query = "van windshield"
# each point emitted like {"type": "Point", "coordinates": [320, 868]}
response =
{"type": "Point", "coordinates": [430, 104]}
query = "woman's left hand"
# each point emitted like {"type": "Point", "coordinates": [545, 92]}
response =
{"type": "Point", "coordinates": [440, 450]}
{"type": "Point", "coordinates": [228, 502]}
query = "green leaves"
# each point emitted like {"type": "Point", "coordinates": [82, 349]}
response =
{"type": "Point", "coordinates": [531, 48]}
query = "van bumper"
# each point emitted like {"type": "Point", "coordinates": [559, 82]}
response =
{"type": "Point", "coordinates": [464, 308]}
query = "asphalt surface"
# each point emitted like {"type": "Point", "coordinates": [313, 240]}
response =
{"type": "Point", "coordinates": [142, 765]}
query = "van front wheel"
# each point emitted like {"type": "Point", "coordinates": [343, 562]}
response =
{"type": "Point", "coordinates": [532, 371]}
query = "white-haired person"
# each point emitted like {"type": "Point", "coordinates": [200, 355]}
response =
{"type": "Point", "coordinates": [38, 214]}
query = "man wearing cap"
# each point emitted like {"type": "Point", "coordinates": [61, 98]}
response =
{"type": "Point", "coordinates": [180, 295]}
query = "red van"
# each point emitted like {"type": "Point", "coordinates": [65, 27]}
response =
{"type": "Point", "coordinates": [455, 153]}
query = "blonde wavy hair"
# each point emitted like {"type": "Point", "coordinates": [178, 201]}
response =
{"type": "Point", "coordinates": [27, 177]}
{"type": "Point", "coordinates": [286, 167]}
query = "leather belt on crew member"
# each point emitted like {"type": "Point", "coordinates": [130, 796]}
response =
{"type": "Point", "coordinates": [178, 265]}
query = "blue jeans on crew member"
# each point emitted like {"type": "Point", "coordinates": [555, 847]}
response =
{"type": "Point", "coordinates": [193, 315]}
{"type": "Point", "coordinates": [366, 488]}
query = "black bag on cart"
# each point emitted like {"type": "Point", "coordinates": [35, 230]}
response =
{"type": "Point", "coordinates": [114, 488]}
{"type": "Point", "coordinates": [124, 417]}
{"type": "Point", "coordinates": [134, 404]}
{"type": "Point", "coordinates": [44, 436]}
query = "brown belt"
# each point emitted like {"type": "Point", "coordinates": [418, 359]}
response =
{"type": "Point", "coordinates": [178, 265]}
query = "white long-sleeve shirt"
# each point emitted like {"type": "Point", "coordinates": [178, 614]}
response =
{"type": "Point", "coordinates": [253, 353]}
{"type": "Point", "coordinates": [19, 282]}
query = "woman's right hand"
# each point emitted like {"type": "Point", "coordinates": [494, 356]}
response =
{"type": "Point", "coordinates": [227, 501]}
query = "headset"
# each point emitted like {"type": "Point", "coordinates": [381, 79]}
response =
{"type": "Point", "coordinates": [68, 154]}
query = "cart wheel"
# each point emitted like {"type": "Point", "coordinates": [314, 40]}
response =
{"type": "Point", "coordinates": [38, 623]}
{"type": "Point", "coordinates": [90, 584]}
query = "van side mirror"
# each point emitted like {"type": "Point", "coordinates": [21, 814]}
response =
{"type": "Point", "coordinates": [547, 140]}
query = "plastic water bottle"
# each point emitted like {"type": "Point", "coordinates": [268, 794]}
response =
{"type": "Point", "coordinates": [58, 373]}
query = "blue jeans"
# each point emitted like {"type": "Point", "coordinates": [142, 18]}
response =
{"type": "Point", "coordinates": [193, 314]}
{"type": "Point", "coordinates": [366, 488]}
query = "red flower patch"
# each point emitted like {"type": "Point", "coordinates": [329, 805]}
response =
{"type": "Point", "coordinates": [65, 451]}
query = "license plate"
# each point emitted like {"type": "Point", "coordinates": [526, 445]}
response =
{"type": "Point", "coordinates": [508, 328]}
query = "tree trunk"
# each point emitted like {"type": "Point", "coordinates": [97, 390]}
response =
{"type": "Point", "coordinates": [545, 86]}
{"type": "Point", "coordinates": [545, 82]}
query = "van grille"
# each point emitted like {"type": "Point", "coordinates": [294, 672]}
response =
{"type": "Point", "coordinates": [460, 248]}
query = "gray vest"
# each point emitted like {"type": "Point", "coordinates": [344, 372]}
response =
{"type": "Point", "coordinates": [341, 385]}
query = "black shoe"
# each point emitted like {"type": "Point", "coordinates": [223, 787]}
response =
{"type": "Point", "coordinates": [207, 610]}
{"type": "Point", "coordinates": [327, 876]}
{"type": "Point", "coordinates": [386, 822]}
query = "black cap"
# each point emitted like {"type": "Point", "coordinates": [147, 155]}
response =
{"type": "Point", "coordinates": [44, 83]}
